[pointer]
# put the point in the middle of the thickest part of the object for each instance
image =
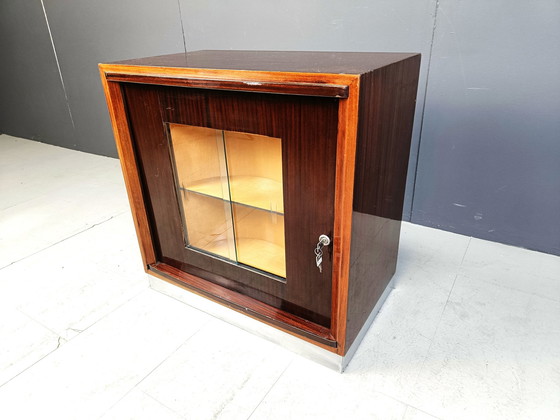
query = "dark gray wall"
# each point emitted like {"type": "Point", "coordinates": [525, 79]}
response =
{"type": "Point", "coordinates": [489, 163]}
{"type": "Point", "coordinates": [485, 155]}
{"type": "Point", "coordinates": [86, 33]}
{"type": "Point", "coordinates": [317, 25]}
{"type": "Point", "coordinates": [32, 99]}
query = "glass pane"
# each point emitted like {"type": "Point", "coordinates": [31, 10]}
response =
{"type": "Point", "coordinates": [230, 189]}
{"type": "Point", "coordinates": [255, 170]}
{"type": "Point", "coordinates": [255, 174]}
{"type": "Point", "coordinates": [201, 173]}
{"type": "Point", "coordinates": [208, 224]}
{"type": "Point", "coordinates": [259, 237]}
{"type": "Point", "coordinates": [200, 163]}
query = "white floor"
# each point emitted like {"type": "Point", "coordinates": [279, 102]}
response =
{"type": "Point", "coordinates": [472, 330]}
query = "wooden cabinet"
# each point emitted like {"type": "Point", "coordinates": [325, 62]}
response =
{"type": "Point", "coordinates": [236, 162]}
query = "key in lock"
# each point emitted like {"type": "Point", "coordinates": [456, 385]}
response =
{"type": "Point", "coordinates": [324, 240]}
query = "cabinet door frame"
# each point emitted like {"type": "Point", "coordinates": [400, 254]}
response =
{"type": "Point", "coordinates": [307, 127]}
{"type": "Point", "coordinates": [342, 86]}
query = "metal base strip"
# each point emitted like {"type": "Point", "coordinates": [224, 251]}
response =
{"type": "Point", "coordinates": [352, 350]}
{"type": "Point", "coordinates": [289, 342]}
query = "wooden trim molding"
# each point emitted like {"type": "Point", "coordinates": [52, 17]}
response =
{"type": "Point", "coordinates": [287, 322]}
{"type": "Point", "coordinates": [344, 188]}
{"type": "Point", "coordinates": [231, 75]}
{"type": "Point", "coordinates": [284, 88]}
{"type": "Point", "coordinates": [117, 113]}
{"type": "Point", "coordinates": [343, 87]}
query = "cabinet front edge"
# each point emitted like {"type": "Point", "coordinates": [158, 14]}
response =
{"type": "Point", "coordinates": [276, 318]}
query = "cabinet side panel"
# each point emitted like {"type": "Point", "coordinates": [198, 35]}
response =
{"type": "Point", "coordinates": [387, 103]}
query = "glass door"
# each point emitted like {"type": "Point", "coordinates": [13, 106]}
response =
{"type": "Point", "coordinates": [238, 188]}
{"type": "Point", "coordinates": [229, 186]}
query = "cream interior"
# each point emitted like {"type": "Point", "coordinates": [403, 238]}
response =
{"type": "Point", "coordinates": [230, 185]}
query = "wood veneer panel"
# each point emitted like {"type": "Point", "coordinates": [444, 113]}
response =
{"type": "Point", "coordinates": [308, 131]}
{"type": "Point", "coordinates": [275, 61]}
{"type": "Point", "coordinates": [364, 139]}
{"type": "Point", "coordinates": [388, 99]}
{"type": "Point", "coordinates": [242, 303]}
{"type": "Point", "coordinates": [119, 122]}
{"type": "Point", "coordinates": [285, 88]}
{"type": "Point", "coordinates": [307, 127]}
{"type": "Point", "coordinates": [387, 102]}
{"type": "Point", "coordinates": [346, 152]}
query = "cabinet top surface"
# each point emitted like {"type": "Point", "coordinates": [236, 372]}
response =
{"type": "Point", "coordinates": [274, 61]}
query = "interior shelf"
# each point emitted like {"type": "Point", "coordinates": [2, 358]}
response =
{"type": "Point", "coordinates": [264, 255]}
{"type": "Point", "coordinates": [258, 192]}
{"type": "Point", "coordinates": [231, 194]}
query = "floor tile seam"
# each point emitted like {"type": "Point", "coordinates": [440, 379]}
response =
{"type": "Point", "coordinates": [418, 266]}
{"type": "Point", "coordinates": [116, 308]}
{"type": "Point", "coordinates": [444, 308]}
{"type": "Point", "coordinates": [79, 332]}
{"type": "Point", "coordinates": [465, 253]}
{"type": "Point", "coordinates": [22, 202]}
{"type": "Point", "coordinates": [272, 387]}
{"type": "Point", "coordinates": [135, 387]}
{"type": "Point", "coordinates": [493, 283]}
{"type": "Point", "coordinates": [127, 300]}
{"type": "Point", "coordinates": [427, 354]}
{"type": "Point", "coordinates": [32, 364]}
{"type": "Point", "coordinates": [122, 275]}
{"type": "Point", "coordinates": [65, 239]}
{"type": "Point", "coordinates": [158, 365]}
{"type": "Point", "coordinates": [422, 411]}
{"type": "Point", "coordinates": [160, 403]}
{"type": "Point", "coordinates": [96, 322]}
{"type": "Point", "coordinates": [145, 290]}
{"type": "Point", "coordinates": [404, 399]}
{"type": "Point", "coordinates": [39, 323]}
{"type": "Point", "coordinates": [396, 399]}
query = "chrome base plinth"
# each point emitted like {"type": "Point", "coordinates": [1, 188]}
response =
{"type": "Point", "coordinates": [289, 342]}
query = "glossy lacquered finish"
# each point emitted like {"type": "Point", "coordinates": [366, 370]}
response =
{"type": "Point", "coordinates": [345, 122]}
{"type": "Point", "coordinates": [387, 100]}
{"type": "Point", "coordinates": [308, 129]}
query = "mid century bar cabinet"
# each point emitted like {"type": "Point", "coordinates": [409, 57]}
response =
{"type": "Point", "coordinates": [270, 182]}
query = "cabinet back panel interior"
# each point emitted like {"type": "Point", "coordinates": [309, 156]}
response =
{"type": "Point", "coordinates": [307, 129]}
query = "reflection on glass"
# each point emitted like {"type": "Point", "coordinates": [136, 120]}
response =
{"type": "Point", "coordinates": [230, 189]}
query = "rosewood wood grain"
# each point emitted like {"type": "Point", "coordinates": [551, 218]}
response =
{"type": "Point", "coordinates": [329, 63]}
{"type": "Point", "coordinates": [307, 127]}
{"type": "Point", "coordinates": [388, 99]}
{"type": "Point", "coordinates": [247, 305]}
{"type": "Point", "coordinates": [387, 102]}
{"type": "Point", "coordinates": [147, 118]}
{"type": "Point", "coordinates": [212, 75]}
{"type": "Point", "coordinates": [346, 151]}
{"type": "Point", "coordinates": [286, 88]}
{"type": "Point", "coordinates": [244, 289]}
{"type": "Point", "coordinates": [117, 113]}
{"type": "Point", "coordinates": [345, 120]}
